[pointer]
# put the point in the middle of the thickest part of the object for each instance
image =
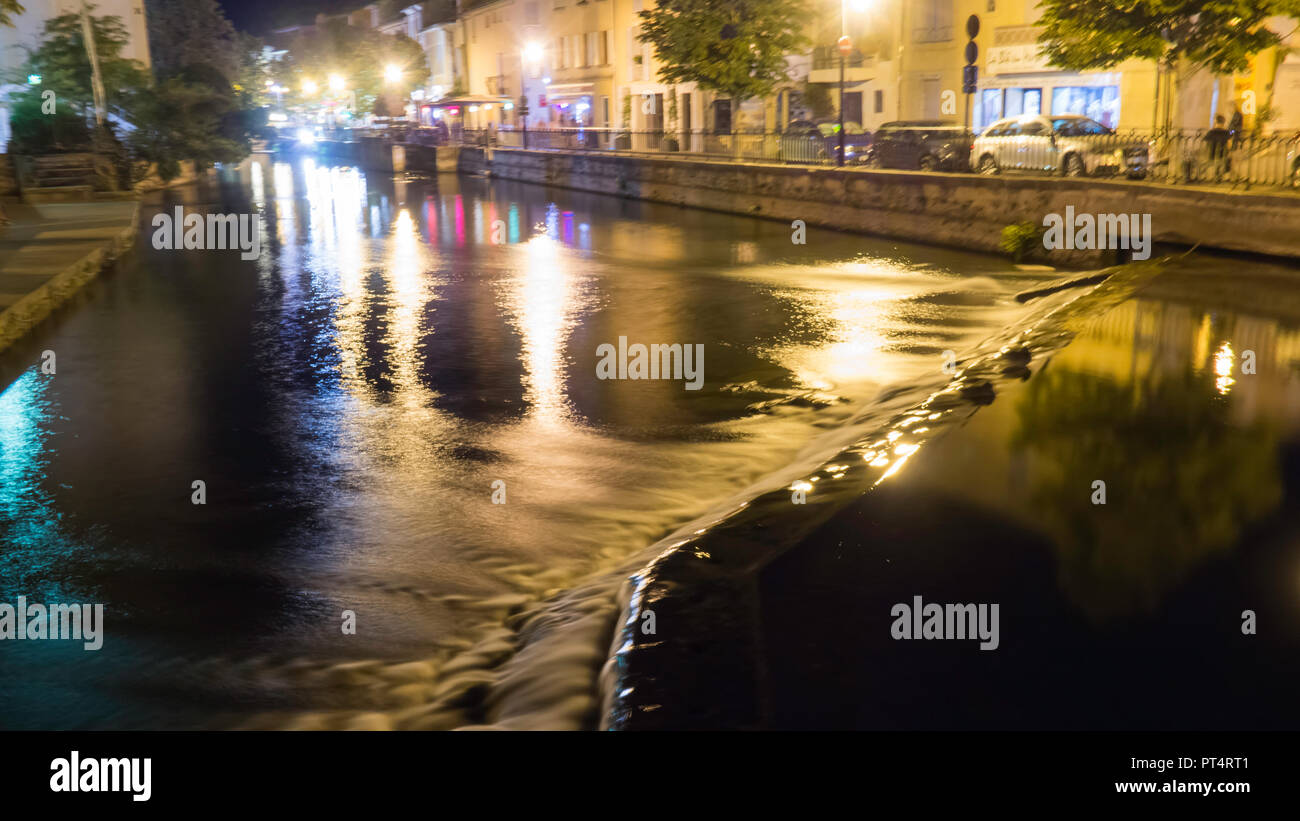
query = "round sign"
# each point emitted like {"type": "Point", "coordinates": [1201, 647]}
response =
{"type": "Point", "coordinates": [972, 26]}
{"type": "Point", "coordinates": [845, 45]}
{"type": "Point", "coordinates": [972, 52]}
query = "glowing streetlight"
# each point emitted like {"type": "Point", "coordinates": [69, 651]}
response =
{"type": "Point", "coordinates": [859, 6]}
{"type": "Point", "coordinates": [393, 73]}
{"type": "Point", "coordinates": [336, 83]}
{"type": "Point", "coordinates": [309, 87]}
{"type": "Point", "coordinates": [533, 52]}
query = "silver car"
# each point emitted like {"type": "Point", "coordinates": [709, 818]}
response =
{"type": "Point", "coordinates": [1068, 144]}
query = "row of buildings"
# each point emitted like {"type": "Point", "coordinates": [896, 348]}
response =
{"type": "Point", "coordinates": [578, 62]}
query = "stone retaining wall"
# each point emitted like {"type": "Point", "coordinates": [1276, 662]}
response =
{"type": "Point", "coordinates": [961, 210]}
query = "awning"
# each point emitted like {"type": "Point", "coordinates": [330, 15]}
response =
{"type": "Point", "coordinates": [457, 102]}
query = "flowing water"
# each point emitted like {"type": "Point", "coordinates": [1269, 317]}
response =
{"type": "Point", "coordinates": [404, 353]}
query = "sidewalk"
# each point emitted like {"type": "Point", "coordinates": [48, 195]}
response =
{"type": "Point", "coordinates": [50, 251]}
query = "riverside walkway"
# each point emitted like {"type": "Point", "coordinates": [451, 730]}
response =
{"type": "Point", "coordinates": [48, 251]}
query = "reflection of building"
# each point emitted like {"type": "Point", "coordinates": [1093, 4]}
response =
{"type": "Point", "coordinates": [30, 24]}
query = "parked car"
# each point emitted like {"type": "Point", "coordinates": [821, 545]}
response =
{"type": "Point", "coordinates": [1068, 144]}
{"type": "Point", "coordinates": [857, 140]}
{"type": "Point", "coordinates": [928, 145]}
{"type": "Point", "coordinates": [802, 141]}
{"type": "Point", "coordinates": [818, 142]}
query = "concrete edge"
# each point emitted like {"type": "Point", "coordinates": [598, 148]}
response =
{"type": "Point", "coordinates": [26, 314]}
{"type": "Point", "coordinates": [711, 679]}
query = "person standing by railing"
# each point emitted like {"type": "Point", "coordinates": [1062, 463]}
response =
{"type": "Point", "coordinates": [1217, 139]}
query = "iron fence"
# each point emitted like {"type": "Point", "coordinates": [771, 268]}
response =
{"type": "Point", "coordinates": [1169, 157]}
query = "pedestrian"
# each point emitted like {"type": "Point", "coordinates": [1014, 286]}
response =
{"type": "Point", "coordinates": [1234, 127]}
{"type": "Point", "coordinates": [1217, 140]}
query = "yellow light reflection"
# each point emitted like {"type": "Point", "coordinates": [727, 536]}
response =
{"type": "Point", "coordinates": [541, 306]}
{"type": "Point", "coordinates": [1223, 362]}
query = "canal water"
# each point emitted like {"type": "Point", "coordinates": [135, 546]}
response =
{"type": "Point", "coordinates": [419, 493]}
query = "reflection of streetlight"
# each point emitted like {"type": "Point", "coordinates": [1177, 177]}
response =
{"type": "Point", "coordinates": [309, 87]}
{"type": "Point", "coordinates": [393, 73]}
{"type": "Point", "coordinates": [336, 83]}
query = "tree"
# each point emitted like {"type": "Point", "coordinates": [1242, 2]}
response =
{"type": "Point", "coordinates": [64, 66]}
{"type": "Point", "coordinates": [209, 83]}
{"type": "Point", "coordinates": [186, 117]}
{"type": "Point", "coordinates": [184, 33]}
{"type": "Point", "coordinates": [360, 57]}
{"type": "Point", "coordinates": [1183, 35]}
{"type": "Point", "coordinates": [736, 48]}
{"type": "Point", "coordinates": [8, 8]}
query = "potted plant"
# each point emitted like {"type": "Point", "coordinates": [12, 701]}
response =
{"type": "Point", "coordinates": [672, 144]}
{"type": "Point", "coordinates": [623, 141]}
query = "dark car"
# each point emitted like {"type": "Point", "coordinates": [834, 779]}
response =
{"type": "Point", "coordinates": [857, 141]}
{"type": "Point", "coordinates": [928, 145]}
{"type": "Point", "coordinates": [806, 141]}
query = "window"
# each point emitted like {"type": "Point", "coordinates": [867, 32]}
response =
{"type": "Point", "coordinates": [1023, 101]}
{"type": "Point", "coordinates": [853, 107]}
{"type": "Point", "coordinates": [990, 107]}
{"type": "Point", "coordinates": [596, 48]}
{"type": "Point", "coordinates": [1078, 127]}
{"type": "Point", "coordinates": [1100, 103]}
{"type": "Point", "coordinates": [933, 21]}
{"type": "Point", "coordinates": [880, 101]}
{"type": "Point", "coordinates": [1033, 128]}
{"type": "Point", "coordinates": [722, 116]}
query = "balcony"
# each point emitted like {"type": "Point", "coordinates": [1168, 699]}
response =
{"type": "Point", "coordinates": [858, 67]}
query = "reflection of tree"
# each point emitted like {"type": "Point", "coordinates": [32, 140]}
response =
{"type": "Point", "coordinates": [1181, 481]}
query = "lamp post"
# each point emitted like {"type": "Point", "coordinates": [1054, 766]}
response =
{"type": "Point", "coordinates": [845, 47]}
{"type": "Point", "coordinates": [530, 61]}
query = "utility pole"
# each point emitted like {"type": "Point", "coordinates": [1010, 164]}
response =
{"type": "Point", "coordinates": [96, 80]}
{"type": "Point", "coordinates": [845, 45]}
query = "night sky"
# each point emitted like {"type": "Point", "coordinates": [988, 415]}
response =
{"type": "Point", "coordinates": [258, 16]}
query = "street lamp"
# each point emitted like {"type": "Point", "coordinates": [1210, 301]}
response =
{"type": "Point", "coordinates": [532, 55]}
{"type": "Point", "coordinates": [309, 88]}
{"type": "Point", "coordinates": [336, 83]}
{"type": "Point", "coordinates": [845, 47]}
{"type": "Point", "coordinates": [393, 73]}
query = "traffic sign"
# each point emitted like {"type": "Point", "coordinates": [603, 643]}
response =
{"type": "Point", "coordinates": [972, 26]}
{"type": "Point", "coordinates": [845, 46]}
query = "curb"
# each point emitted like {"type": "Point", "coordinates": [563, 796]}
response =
{"type": "Point", "coordinates": [27, 313]}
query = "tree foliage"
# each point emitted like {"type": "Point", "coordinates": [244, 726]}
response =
{"type": "Point", "coordinates": [207, 84]}
{"type": "Point", "coordinates": [190, 32]}
{"type": "Point", "coordinates": [9, 8]}
{"type": "Point", "coordinates": [64, 66]}
{"type": "Point", "coordinates": [360, 56]}
{"type": "Point", "coordinates": [1219, 35]}
{"type": "Point", "coordinates": [735, 48]}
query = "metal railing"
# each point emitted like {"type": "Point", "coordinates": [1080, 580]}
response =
{"type": "Point", "coordinates": [1169, 157]}
{"type": "Point", "coordinates": [744, 146]}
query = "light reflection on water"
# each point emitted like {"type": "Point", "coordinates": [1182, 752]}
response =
{"type": "Point", "coordinates": [351, 397]}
